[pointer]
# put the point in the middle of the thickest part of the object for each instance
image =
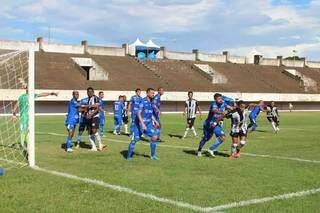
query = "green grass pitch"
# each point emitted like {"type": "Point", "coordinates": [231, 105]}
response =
{"type": "Point", "coordinates": [178, 176]}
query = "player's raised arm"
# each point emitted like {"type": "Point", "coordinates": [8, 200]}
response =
{"type": "Point", "coordinates": [45, 94]}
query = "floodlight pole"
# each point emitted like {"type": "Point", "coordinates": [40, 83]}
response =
{"type": "Point", "coordinates": [31, 97]}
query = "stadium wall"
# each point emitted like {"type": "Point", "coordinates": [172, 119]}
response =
{"type": "Point", "coordinates": [180, 56]}
{"type": "Point", "coordinates": [313, 64]}
{"type": "Point", "coordinates": [270, 62]}
{"type": "Point", "coordinates": [212, 57]}
{"type": "Point", "coordinates": [171, 101]}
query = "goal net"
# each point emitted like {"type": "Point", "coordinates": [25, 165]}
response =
{"type": "Point", "coordinates": [15, 109]}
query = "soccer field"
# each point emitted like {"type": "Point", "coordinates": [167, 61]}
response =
{"type": "Point", "coordinates": [262, 180]}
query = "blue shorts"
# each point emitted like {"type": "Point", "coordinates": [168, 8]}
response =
{"type": "Point", "coordinates": [209, 132]}
{"type": "Point", "coordinates": [253, 119]}
{"type": "Point", "coordinates": [117, 120]}
{"type": "Point", "coordinates": [138, 131]}
{"type": "Point", "coordinates": [102, 120]}
{"type": "Point", "coordinates": [71, 126]}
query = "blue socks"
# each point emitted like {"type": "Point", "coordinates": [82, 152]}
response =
{"type": "Point", "coordinates": [131, 149]}
{"type": "Point", "coordinates": [153, 146]}
{"type": "Point", "coordinates": [101, 128]}
{"type": "Point", "coordinates": [201, 144]}
{"type": "Point", "coordinates": [68, 142]}
{"type": "Point", "coordinates": [79, 138]}
{"type": "Point", "coordinates": [216, 144]}
{"type": "Point", "coordinates": [254, 127]}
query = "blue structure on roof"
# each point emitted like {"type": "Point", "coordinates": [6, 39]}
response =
{"type": "Point", "coordinates": [142, 51]}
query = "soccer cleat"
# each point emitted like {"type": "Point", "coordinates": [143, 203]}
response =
{"type": "Point", "coordinates": [155, 157]}
{"type": "Point", "coordinates": [211, 153]}
{"type": "Point", "coordinates": [231, 157]}
{"type": "Point", "coordinates": [199, 154]}
{"type": "Point", "coordinates": [93, 150]}
{"type": "Point", "coordinates": [237, 155]}
{"type": "Point", "coordinates": [69, 150]}
{"type": "Point", "coordinates": [77, 146]}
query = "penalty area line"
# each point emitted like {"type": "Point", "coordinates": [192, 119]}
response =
{"type": "Point", "coordinates": [123, 189]}
{"type": "Point", "coordinates": [263, 200]}
{"type": "Point", "coordinates": [181, 204]}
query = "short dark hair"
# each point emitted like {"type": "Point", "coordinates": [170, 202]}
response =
{"type": "Point", "coordinates": [149, 89]}
{"type": "Point", "coordinates": [138, 89]}
{"type": "Point", "coordinates": [120, 96]}
{"type": "Point", "coordinates": [100, 92]}
{"type": "Point", "coordinates": [90, 88]}
{"type": "Point", "coordinates": [217, 95]}
{"type": "Point", "coordinates": [190, 92]}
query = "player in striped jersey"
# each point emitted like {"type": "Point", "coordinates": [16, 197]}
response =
{"type": "Point", "coordinates": [190, 111]}
{"type": "Point", "coordinates": [273, 116]}
{"type": "Point", "coordinates": [125, 117]}
{"type": "Point", "coordinates": [238, 128]}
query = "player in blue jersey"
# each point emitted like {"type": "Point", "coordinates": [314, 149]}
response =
{"type": "Point", "coordinates": [82, 122]}
{"type": "Point", "coordinates": [148, 125]}
{"type": "Point", "coordinates": [256, 109]}
{"type": "Point", "coordinates": [117, 115]}
{"type": "Point", "coordinates": [102, 113]}
{"type": "Point", "coordinates": [156, 109]}
{"type": "Point", "coordinates": [211, 125]}
{"type": "Point", "coordinates": [72, 119]}
{"type": "Point", "coordinates": [133, 108]}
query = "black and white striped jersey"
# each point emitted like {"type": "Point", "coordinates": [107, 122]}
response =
{"type": "Point", "coordinates": [273, 111]}
{"type": "Point", "coordinates": [125, 108]}
{"type": "Point", "coordinates": [238, 121]}
{"type": "Point", "coordinates": [191, 106]}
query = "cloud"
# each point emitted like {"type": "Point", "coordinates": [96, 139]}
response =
{"type": "Point", "coordinates": [209, 25]}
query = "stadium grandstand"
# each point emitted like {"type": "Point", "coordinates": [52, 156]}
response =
{"type": "Point", "coordinates": [110, 68]}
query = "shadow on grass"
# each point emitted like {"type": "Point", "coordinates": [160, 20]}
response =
{"type": "Point", "coordinates": [124, 154]}
{"type": "Point", "coordinates": [83, 145]}
{"type": "Point", "coordinates": [194, 152]}
{"type": "Point", "coordinates": [175, 136]}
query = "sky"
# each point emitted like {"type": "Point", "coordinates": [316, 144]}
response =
{"type": "Point", "coordinates": [241, 27]}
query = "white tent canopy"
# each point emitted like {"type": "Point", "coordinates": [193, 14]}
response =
{"type": "Point", "coordinates": [151, 44]}
{"type": "Point", "coordinates": [137, 43]}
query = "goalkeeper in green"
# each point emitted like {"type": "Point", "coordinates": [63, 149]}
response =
{"type": "Point", "coordinates": [23, 105]}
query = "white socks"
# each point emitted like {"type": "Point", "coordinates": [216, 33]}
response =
{"type": "Point", "coordinates": [126, 129]}
{"type": "Point", "coordinates": [92, 141]}
{"type": "Point", "coordinates": [187, 130]}
{"type": "Point", "coordinates": [194, 131]}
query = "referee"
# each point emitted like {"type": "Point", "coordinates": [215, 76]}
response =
{"type": "Point", "coordinates": [190, 111]}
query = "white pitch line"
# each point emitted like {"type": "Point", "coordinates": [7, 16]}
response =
{"type": "Point", "coordinates": [180, 203]}
{"type": "Point", "coordinates": [262, 200]}
{"type": "Point", "coordinates": [186, 147]}
{"type": "Point", "coordinates": [123, 189]}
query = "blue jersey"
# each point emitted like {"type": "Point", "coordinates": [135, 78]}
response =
{"type": "Point", "coordinates": [118, 108]}
{"type": "Point", "coordinates": [220, 107]}
{"type": "Point", "coordinates": [134, 102]}
{"type": "Point", "coordinates": [146, 109]}
{"type": "Point", "coordinates": [102, 108]}
{"type": "Point", "coordinates": [227, 100]}
{"type": "Point", "coordinates": [156, 101]}
{"type": "Point", "coordinates": [255, 111]}
{"type": "Point", "coordinates": [73, 112]}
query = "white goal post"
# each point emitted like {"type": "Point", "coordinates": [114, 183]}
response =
{"type": "Point", "coordinates": [31, 89]}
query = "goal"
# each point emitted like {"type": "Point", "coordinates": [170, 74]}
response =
{"type": "Point", "coordinates": [16, 109]}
